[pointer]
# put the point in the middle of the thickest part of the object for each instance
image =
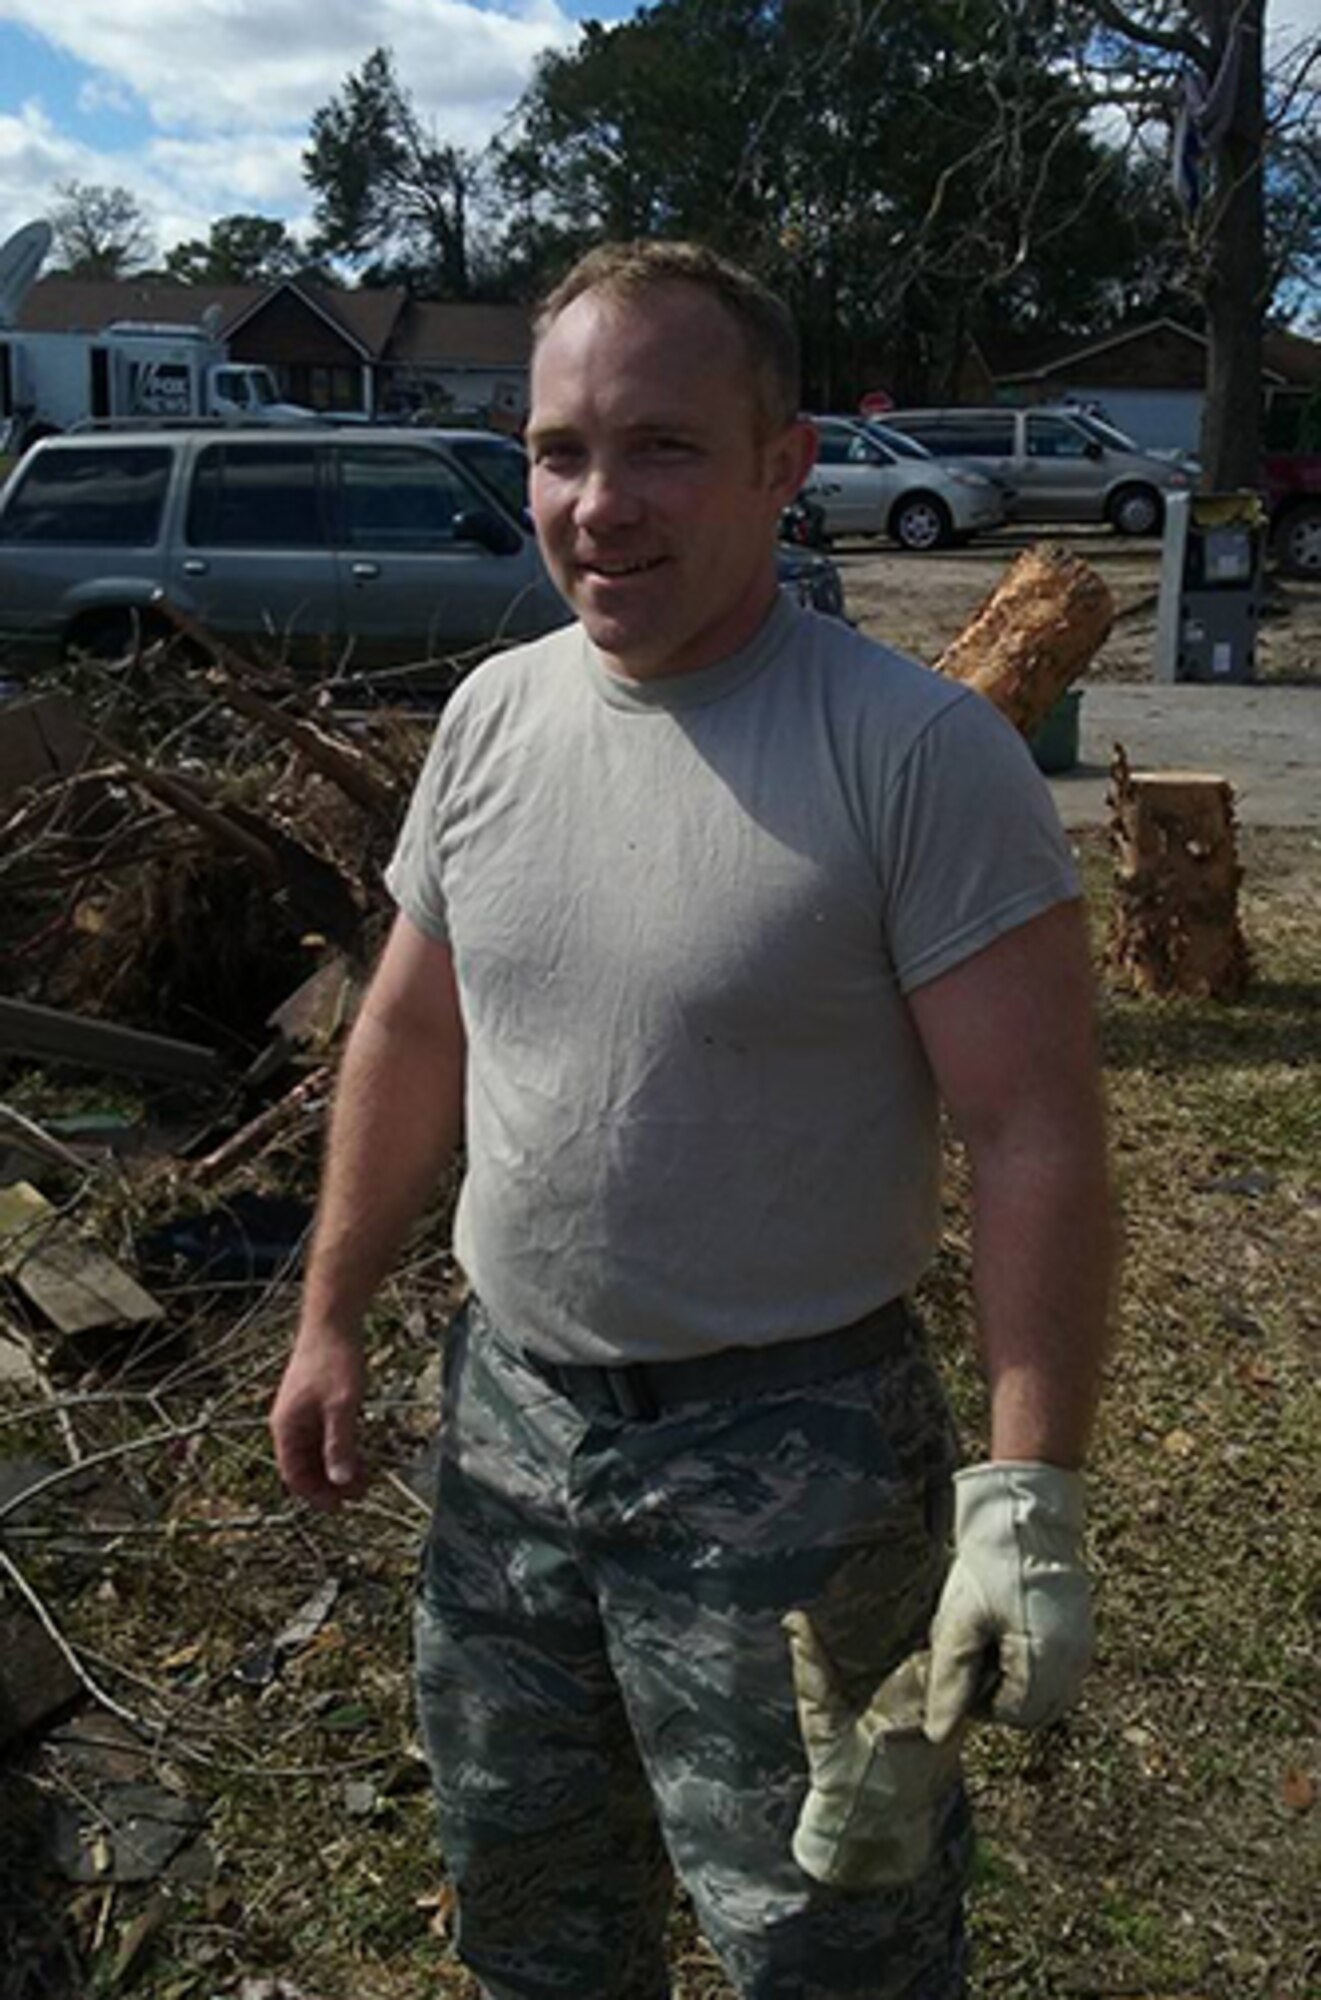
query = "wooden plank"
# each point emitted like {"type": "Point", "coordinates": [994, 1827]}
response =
{"type": "Point", "coordinates": [49, 1034]}
{"type": "Point", "coordinates": [72, 1282]}
{"type": "Point", "coordinates": [324, 1003]}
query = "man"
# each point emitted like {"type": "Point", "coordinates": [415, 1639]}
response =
{"type": "Point", "coordinates": [701, 902]}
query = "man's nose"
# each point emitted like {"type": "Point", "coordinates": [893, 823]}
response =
{"type": "Point", "coordinates": [606, 497]}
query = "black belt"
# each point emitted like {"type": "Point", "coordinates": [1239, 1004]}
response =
{"type": "Point", "coordinates": [645, 1388]}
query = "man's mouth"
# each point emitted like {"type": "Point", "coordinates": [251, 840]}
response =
{"type": "Point", "coordinates": [612, 570]}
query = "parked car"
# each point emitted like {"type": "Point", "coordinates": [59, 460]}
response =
{"type": "Point", "coordinates": [1293, 493]}
{"type": "Point", "coordinates": [314, 543]}
{"type": "Point", "coordinates": [868, 486]}
{"type": "Point", "coordinates": [1055, 464]}
{"type": "Point", "coordinates": [374, 547]}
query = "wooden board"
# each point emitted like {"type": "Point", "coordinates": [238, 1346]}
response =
{"type": "Point", "coordinates": [51, 1035]}
{"type": "Point", "coordinates": [71, 1281]}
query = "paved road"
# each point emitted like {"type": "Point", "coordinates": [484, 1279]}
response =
{"type": "Point", "coordinates": [1265, 739]}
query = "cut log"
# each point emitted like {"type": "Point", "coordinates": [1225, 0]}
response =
{"type": "Point", "coordinates": [1174, 927]}
{"type": "Point", "coordinates": [1033, 635]}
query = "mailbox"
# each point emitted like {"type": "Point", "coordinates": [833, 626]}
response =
{"type": "Point", "coordinates": [1210, 587]}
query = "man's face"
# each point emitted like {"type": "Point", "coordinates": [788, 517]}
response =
{"type": "Point", "coordinates": [655, 496]}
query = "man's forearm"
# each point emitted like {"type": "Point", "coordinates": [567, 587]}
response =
{"type": "Point", "coordinates": [396, 1123]}
{"type": "Point", "coordinates": [1042, 1265]}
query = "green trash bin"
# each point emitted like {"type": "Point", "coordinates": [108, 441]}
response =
{"type": "Point", "coordinates": [1055, 746]}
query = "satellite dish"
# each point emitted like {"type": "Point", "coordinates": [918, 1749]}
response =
{"type": "Point", "coordinates": [211, 318]}
{"type": "Point", "coordinates": [20, 260]}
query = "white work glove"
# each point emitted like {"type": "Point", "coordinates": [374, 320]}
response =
{"type": "Point", "coordinates": [1012, 1636]}
{"type": "Point", "coordinates": [879, 1784]}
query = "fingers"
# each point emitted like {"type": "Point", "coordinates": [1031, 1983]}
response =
{"type": "Point", "coordinates": [314, 1425]}
{"type": "Point", "coordinates": [821, 1712]}
{"type": "Point", "coordinates": [343, 1465]}
{"type": "Point", "coordinates": [962, 1670]}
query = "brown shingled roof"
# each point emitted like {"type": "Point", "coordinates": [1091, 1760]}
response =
{"type": "Point", "coordinates": [487, 336]}
{"type": "Point", "coordinates": [383, 323]}
{"type": "Point", "coordinates": [85, 305]}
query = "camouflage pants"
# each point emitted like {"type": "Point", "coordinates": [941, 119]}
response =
{"type": "Point", "coordinates": [605, 1689]}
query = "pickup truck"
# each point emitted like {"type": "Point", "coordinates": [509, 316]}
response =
{"type": "Point", "coordinates": [1292, 481]}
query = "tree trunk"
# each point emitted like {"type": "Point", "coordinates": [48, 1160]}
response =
{"type": "Point", "coordinates": [1033, 635]}
{"type": "Point", "coordinates": [1174, 928]}
{"type": "Point", "coordinates": [1235, 286]}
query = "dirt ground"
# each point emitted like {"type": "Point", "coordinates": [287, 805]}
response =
{"type": "Point", "coordinates": [918, 603]}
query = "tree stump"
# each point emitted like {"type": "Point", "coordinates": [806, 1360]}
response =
{"type": "Point", "coordinates": [1174, 928]}
{"type": "Point", "coordinates": [1034, 634]}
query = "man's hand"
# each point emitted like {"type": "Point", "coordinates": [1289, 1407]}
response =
{"type": "Point", "coordinates": [314, 1420]}
{"type": "Point", "coordinates": [879, 1784]}
{"type": "Point", "coordinates": [1012, 1635]}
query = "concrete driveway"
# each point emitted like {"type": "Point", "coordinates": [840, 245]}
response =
{"type": "Point", "coordinates": [1266, 739]}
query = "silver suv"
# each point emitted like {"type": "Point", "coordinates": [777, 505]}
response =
{"type": "Point", "coordinates": [386, 545]}
{"type": "Point", "coordinates": [1054, 464]}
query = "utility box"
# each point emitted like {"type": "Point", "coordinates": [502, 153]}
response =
{"type": "Point", "coordinates": [1210, 587]}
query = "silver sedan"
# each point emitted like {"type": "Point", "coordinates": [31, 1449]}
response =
{"type": "Point", "coordinates": [870, 484]}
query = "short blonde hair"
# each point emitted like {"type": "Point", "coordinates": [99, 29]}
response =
{"type": "Point", "coordinates": [629, 271]}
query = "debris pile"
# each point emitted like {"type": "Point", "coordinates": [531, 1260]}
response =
{"type": "Point", "coordinates": [190, 861]}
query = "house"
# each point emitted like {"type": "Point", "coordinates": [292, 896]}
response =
{"type": "Point", "coordinates": [1150, 379]}
{"type": "Point", "coordinates": [329, 348]}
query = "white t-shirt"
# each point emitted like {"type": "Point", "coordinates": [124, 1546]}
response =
{"type": "Point", "coordinates": [684, 915]}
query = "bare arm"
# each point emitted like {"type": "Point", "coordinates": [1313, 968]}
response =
{"type": "Point", "coordinates": [1011, 1040]}
{"type": "Point", "coordinates": [396, 1122]}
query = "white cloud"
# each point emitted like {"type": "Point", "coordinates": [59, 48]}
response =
{"type": "Point", "coordinates": [218, 95]}
{"type": "Point", "coordinates": [102, 93]}
{"type": "Point", "coordinates": [34, 153]}
{"type": "Point", "coordinates": [224, 65]}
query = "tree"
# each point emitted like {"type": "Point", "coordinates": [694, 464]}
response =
{"type": "Point", "coordinates": [100, 232]}
{"type": "Point", "coordinates": [909, 177]}
{"type": "Point", "coordinates": [1250, 175]}
{"type": "Point", "coordinates": [387, 188]}
{"type": "Point", "coordinates": [239, 250]}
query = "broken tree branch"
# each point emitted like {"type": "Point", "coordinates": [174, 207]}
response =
{"type": "Point", "coordinates": [67, 1651]}
{"type": "Point", "coordinates": [259, 1132]}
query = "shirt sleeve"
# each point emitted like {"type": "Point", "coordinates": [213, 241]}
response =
{"type": "Point", "coordinates": [971, 843]}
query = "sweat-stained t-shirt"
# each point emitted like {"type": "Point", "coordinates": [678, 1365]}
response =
{"type": "Point", "coordinates": [684, 915]}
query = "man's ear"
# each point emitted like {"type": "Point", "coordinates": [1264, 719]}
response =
{"type": "Point", "coordinates": [790, 457]}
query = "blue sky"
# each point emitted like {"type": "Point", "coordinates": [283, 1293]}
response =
{"type": "Point", "coordinates": [201, 107]}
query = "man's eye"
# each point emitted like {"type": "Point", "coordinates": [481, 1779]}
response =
{"type": "Point", "coordinates": [556, 455]}
{"type": "Point", "coordinates": [670, 447]}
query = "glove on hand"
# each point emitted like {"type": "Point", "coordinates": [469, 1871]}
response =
{"type": "Point", "coordinates": [1016, 1607]}
{"type": "Point", "coordinates": [878, 1782]}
